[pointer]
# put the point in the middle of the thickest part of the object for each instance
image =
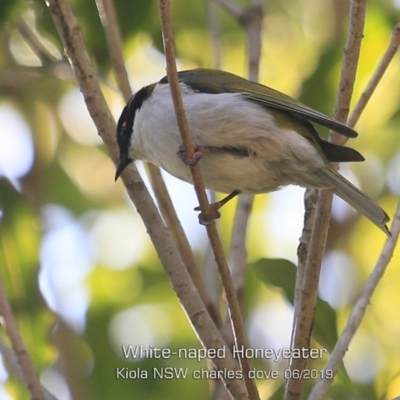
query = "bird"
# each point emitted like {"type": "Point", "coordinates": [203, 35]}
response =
{"type": "Point", "coordinates": [248, 138]}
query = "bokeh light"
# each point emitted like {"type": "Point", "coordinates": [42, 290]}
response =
{"type": "Point", "coordinates": [16, 144]}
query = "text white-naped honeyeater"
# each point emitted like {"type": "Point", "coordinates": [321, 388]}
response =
{"type": "Point", "coordinates": [248, 138]}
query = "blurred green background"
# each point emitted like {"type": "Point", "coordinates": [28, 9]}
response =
{"type": "Point", "coordinates": [79, 269]}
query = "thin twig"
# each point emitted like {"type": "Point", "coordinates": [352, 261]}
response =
{"type": "Point", "coordinates": [114, 39]}
{"type": "Point", "coordinates": [358, 312]}
{"type": "Point", "coordinates": [11, 363]}
{"type": "Point", "coordinates": [212, 233]}
{"type": "Point", "coordinates": [109, 20]}
{"type": "Point", "coordinates": [209, 270]}
{"type": "Point", "coordinates": [377, 76]}
{"type": "Point", "coordinates": [31, 380]}
{"type": "Point", "coordinates": [251, 20]}
{"type": "Point", "coordinates": [238, 249]}
{"type": "Point", "coordinates": [206, 330]}
{"type": "Point", "coordinates": [215, 32]}
{"type": "Point", "coordinates": [310, 195]}
{"type": "Point", "coordinates": [35, 44]}
{"type": "Point", "coordinates": [307, 296]}
{"type": "Point", "coordinates": [171, 219]}
{"type": "Point", "coordinates": [232, 8]}
{"type": "Point", "coordinates": [178, 104]}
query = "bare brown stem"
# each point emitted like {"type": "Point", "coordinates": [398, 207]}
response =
{"type": "Point", "coordinates": [232, 8]}
{"type": "Point", "coordinates": [307, 296]}
{"type": "Point", "coordinates": [251, 20]}
{"type": "Point", "coordinates": [24, 361]}
{"type": "Point", "coordinates": [358, 312]}
{"type": "Point", "coordinates": [377, 76]}
{"type": "Point", "coordinates": [206, 330]}
{"type": "Point", "coordinates": [12, 365]}
{"type": "Point", "coordinates": [34, 43]}
{"type": "Point", "coordinates": [233, 305]}
{"type": "Point", "coordinates": [215, 32]}
{"type": "Point", "coordinates": [171, 218]}
{"type": "Point", "coordinates": [109, 20]}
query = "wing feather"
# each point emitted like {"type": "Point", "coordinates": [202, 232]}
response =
{"type": "Point", "coordinates": [215, 81]}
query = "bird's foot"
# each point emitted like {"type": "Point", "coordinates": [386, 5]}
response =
{"type": "Point", "coordinates": [199, 152]}
{"type": "Point", "coordinates": [211, 214]}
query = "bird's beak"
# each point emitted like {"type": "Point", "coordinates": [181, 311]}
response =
{"type": "Point", "coordinates": [124, 161]}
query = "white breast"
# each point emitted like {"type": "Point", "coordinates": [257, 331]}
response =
{"type": "Point", "coordinates": [278, 157]}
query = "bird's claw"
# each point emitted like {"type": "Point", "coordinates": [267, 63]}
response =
{"type": "Point", "coordinates": [199, 152]}
{"type": "Point", "coordinates": [209, 216]}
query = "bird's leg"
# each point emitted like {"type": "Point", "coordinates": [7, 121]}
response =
{"type": "Point", "coordinates": [212, 213]}
{"type": "Point", "coordinates": [199, 152]}
{"type": "Point", "coordinates": [208, 218]}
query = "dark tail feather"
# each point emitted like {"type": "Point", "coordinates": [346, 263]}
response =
{"type": "Point", "coordinates": [349, 193]}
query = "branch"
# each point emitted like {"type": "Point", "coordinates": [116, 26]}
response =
{"type": "Point", "coordinates": [232, 8]}
{"type": "Point", "coordinates": [11, 363]}
{"type": "Point", "coordinates": [110, 24]}
{"type": "Point", "coordinates": [305, 302]}
{"type": "Point", "coordinates": [358, 312]}
{"type": "Point", "coordinates": [377, 76]}
{"type": "Point", "coordinates": [215, 32]}
{"type": "Point", "coordinates": [30, 378]}
{"type": "Point", "coordinates": [212, 233]}
{"type": "Point", "coordinates": [207, 332]}
{"type": "Point", "coordinates": [171, 218]}
{"type": "Point", "coordinates": [251, 20]}
{"type": "Point", "coordinates": [114, 40]}
{"type": "Point", "coordinates": [387, 252]}
{"type": "Point", "coordinates": [35, 43]}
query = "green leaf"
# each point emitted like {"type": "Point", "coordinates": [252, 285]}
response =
{"type": "Point", "coordinates": [281, 273]}
{"type": "Point", "coordinates": [325, 327]}
{"type": "Point", "coordinates": [277, 272]}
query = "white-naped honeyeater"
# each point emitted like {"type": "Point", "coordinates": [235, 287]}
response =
{"type": "Point", "coordinates": [248, 138]}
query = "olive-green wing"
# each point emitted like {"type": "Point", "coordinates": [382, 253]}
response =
{"type": "Point", "coordinates": [214, 81]}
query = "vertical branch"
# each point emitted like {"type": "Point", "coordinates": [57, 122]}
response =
{"type": "Point", "coordinates": [11, 362]}
{"type": "Point", "coordinates": [206, 330]}
{"type": "Point", "coordinates": [209, 271]}
{"type": "Point", "coordinates": [302, 252]}
{"type": "Point", "coordinates": [171, 219]}
{"type": "Point", "coordinates": [215, 31]}
{"type": "Point", "coordinates": [109, 21]}
{"type": "Point", "coordinates": [212, 233]}
{"type": "Point", "coordinates": [307, 296]}
{"type": "Point", "coordinates": [172, 74]}
{"type": "Point", "coordinates": [252, 23]}
{"type": "Point", "coordinates": [28, 372]}
{"type": "Point", "coordinates": [251, 20]}
{"type": "Point", "coordinates": [391, 50]}
{"type": "Point", "coordinates": [114, 40]}
{"type": "Point", "coordinates": [358, 312]}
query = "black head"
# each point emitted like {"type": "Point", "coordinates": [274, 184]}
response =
{"type": "Point", "coordinates": [125, 127]}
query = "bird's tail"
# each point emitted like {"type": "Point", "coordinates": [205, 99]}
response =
{"type": "Point", "coordinates": [348, 192]}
